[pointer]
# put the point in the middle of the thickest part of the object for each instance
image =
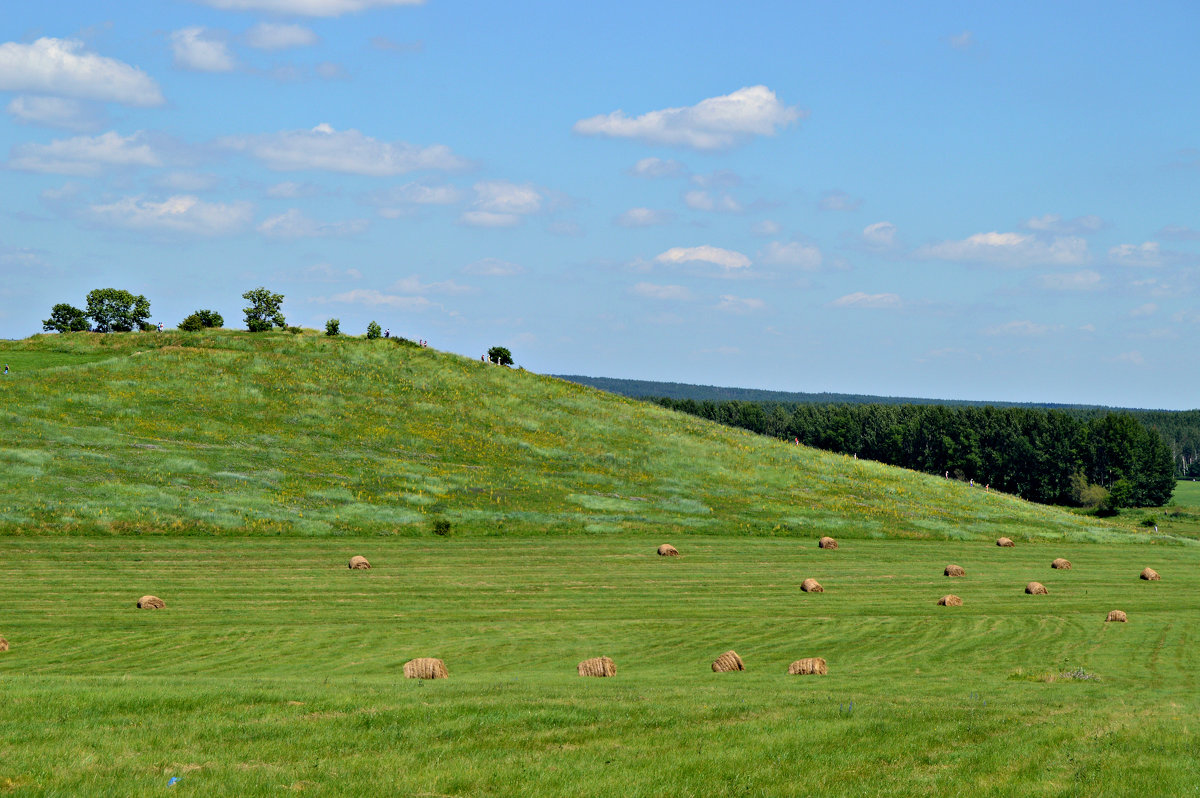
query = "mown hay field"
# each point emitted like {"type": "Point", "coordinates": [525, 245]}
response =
{"type": "Point", "coordinates": [274, 668]}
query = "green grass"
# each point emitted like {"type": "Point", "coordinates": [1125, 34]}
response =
{"type": "Point", "coordinates": [274, 667]}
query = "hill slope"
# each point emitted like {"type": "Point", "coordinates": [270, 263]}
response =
{"type": "Point", "coordinates": [229, 433]}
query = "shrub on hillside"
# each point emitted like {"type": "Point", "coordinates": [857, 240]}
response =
{"type": "Point", "coordinates": [263, 312]}
{"type": "Point", "coordinates": [500, 356]}
{"type": "Point", "coordinates": [65, 318]}
{"type": "Point", "coordinates": [373, 331]}
{"type": "Point", "coordinates": [333, 327]}
{"type": "Point", "coordinates": [201, 319]}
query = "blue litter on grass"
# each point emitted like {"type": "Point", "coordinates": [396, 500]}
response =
{"type": "Point", "coordinates": [171, 783]}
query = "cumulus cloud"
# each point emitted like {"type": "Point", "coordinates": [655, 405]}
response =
{"type": "Point", "coordinates": [1085, 280]}
{"type": "Point", "coordinates": [52, 112]}
{"type": "Point", "coordinates": [737, 304]}
{"type": "Point", "coordinates": [880, 235]}
{"type": "Point", "coordinates": [1009, 249]}
{"type": "Point", "coordinates": [499, 203]}
{"type": "Point", "coordinates": [725, 258]}
{"type": "Point", "coordinates": [643, 217]}
{"type": "Point", "coordinates": [202, 50]}
{"type": "Point", "coordinates": [860, 299]}
{"type": "Point", "coordinates": [279, 36]}
{"type": "Point", "coordinates": [307, 8]}
{"type": "Point", "coordinates": [294, 224]}
{"type": "Point", "coordinates": [676, 293]}
{"type": "Point", "coordinates": [493, 267]}
{"type": "Point", "coordinates": [63, 67]}
{"type": "Point", "coordinates": [699, 200]}
{"type": "Point", "coordinates": [793, 253]}
{"type": "Point", "coordinates": [1023, 327]}
{"type": "Point", "coordinates": [838, 201]}
{"type": "Point", "coordinates": [658, 167]}
{"type": "Point", "coordinates": [85, 155]}
{"type": "Point", "coordinates": [347, 151]}
{"type": "Point", "coordinates": [1057, 225]}
{"type": "Point", "coordinates": [181, 213]}
{"type": "Point", "coordinates": [373, 298]}
{"type": "Point", "coordinates": [713, 124]}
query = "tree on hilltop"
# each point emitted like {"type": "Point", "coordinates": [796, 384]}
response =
{"type": "Point", "coordinates": [65, 318]}
{"type": "Point", "coordinates": [116, 310]}
{"type": "Point", "coordinates": [200, 320]}
{"type": "Point", "coordinates": [263, 312]}
{"type": "Point", "coordinates": [500, 356]}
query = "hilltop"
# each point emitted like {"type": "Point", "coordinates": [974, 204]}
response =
{"type": "Point", "coordinates": [224, 432]}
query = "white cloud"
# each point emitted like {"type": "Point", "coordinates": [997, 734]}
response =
{"type": "Point", "coordinates": [1009, 249]}
{"type": "Point", "coordinates": [1085, 280]}
{"type": "Point", "coordinates": [493, 267]}
{"type": "Point", "coordinates": [85, 155]}
{"type": "Point", "coordinates": [326, 273]}
{"type": "Point", "coordinates": [52, 112]}
{"type": "Point", "coordinates": [373, 298]}
{"type": "Point", "coordinates": [294, 224]}
{"type": "Point", "coordinates": [767, 227]}
{"type": "Point", "coordinates": [860, 299]}
{"type": "Point", "coordinates": [1055, 224]}
{"type": "Point", "coordinates": [1147, 254]}
{"type": "Point", "coordinates": [181, 213]}
{"type": "Point", "coordinates": [307, 8]}
{"type": "Point", "coordinates": [1022, 328]}
{"type": "Point", "coordinates": [1148, 309]}
{"type": "Point", "coordinates": [712, 124]}
{"type": "Point", "coordinates": [676, 293]}
{"type": "Point", "coordinates": [703, 201]}
{"type": "Point", "coordinates": [61, 67]}
{"type": "Point", "coordinates": [839, 201]}
{"type": "Point", "coordinates": [794, 253]}
{"type": "Point", "coordinates": [499, 203]}
{"type": "Point", "coordinates": [279, 36]}
{"type": "Point", "coordinates": [658, 167]}
{"type": "Point", "coordinates": [413, 285]}
{"type": "Point", "coordinates": [643, 217]}
{"type": "Point", "coordinates": [725, 258]}
{"type": "Point", "coordinates": [400, 200]}
{"type": "Point", "coordinates": [202, 50]}
{"type": "Point", "coordinates": [881, 235]}
{"type": "Point", "coordinates": [347, 151]}
{"type": "Point", "coordinates": [736, 304]}
{"type": "Point", "coordinates": [962, 41]}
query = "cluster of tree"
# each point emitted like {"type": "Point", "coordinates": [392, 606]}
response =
{"type": "Point", "coordinates": [109, 309]}
{"type": "Point", "coordinates": [1050, 456]}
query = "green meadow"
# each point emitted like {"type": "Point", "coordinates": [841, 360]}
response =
{"type": "Point", "coordinates": [235, 475]}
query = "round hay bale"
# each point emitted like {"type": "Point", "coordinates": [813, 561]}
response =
{"type": "Point", "coordinates": [809, 666]}
{"type": "Point", "coordinates": [151, 603]}
{"type": "Point", "coordinates": [1036, 589]}
{"type": "Point", "coordinates": [729, 661]}
{"type": "Point", "coordinates": [950, 601]}
{"type": "Point", "coordinates": [1116, 616]}
{"type": "Point", "coordinates": [1005, 543]}
{"type": "Point", "coordinates": [425, 668]}
{"type": "Point", "coordinates": [667, 550]}
{"type": "Point", "coordinates": [597, 666]}
{"type": "Point", "coordinates": [954, 570]}
{"type": "Point", "coordinates": [1150, 575]}
{"type": "Point", "coordinates": [3, 645]}
{"type": "Point", "coordinates": [811, 585]}
{"type": "Point", "coordinates": [358, 563]}
{"type": "Point", "coordinates": [1060, 564]}
{"type": "Point", "coordinates": [827, 543]}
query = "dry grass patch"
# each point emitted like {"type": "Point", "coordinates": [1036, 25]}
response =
{"type": "Point", "coordinates": [727, 662]}
{"type": "Point", "coordinates": [597, 666]}
{"type": "Point", "coordinates": [3, 645]}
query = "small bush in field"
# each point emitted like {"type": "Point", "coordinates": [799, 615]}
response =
{"type": "Point", "coordinates": [333, 327]}
{"type": "Point", "coordinates": [441, 527]}
{"type": "Point", "coordinates": [374, 331]}
{"type": "Point", "coordinates": [200, 320]}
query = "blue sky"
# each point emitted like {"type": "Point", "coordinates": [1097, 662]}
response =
{"type": "Point", "coordinates": [969, 201]}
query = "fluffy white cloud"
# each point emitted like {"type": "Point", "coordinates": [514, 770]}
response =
{"type": "Point", "coordinates": [182, 213]}
{"type": "Point", "coordinates": [62, 67]}
{"type": "Point", "coordinates": [676, 293]}
{"type": "Point", "coordinates": [413, 285]}
{"type": "Point", "coordinates": [346, 151]}
{"type": "Point", "coordinates": [737, 304]}
{"type": "Point", "coordinates": [1055, 224]}
{"type": "Point", "coordinates": [294, 224]}
{"type": "Point", "coordinates": [279, 36]}
{"type": "Point", "coordinates": [373, 298]}
{"type": "Point", "coordinates": [493, 267]}
{"type": "Point", "coordinates": [52, 112]}
{"type": "Point", "coordinates": [1021, 328]}
{"type": "Point", "coordinates": [793, 253]}
{"type": "Point", "coordinates": [881, 235]}
{"type": "Point", "coordinates": [85, 155]}
{"type": "Point", "coordinates": [401, 200]}
{"type": "Point", "coordinates": [307, 8]}
{"type": "Point", "coordinates": [725, 258]}
{"type": "Point", "coordinates": [860, 299]}
{"type": "Point", "coordinates": [1009, 249]}
{"type": "Point", "coordinates": [202, 50]}
{"type": "Point", "coordinates": [712, 124]}
{"type": "Point", "coordinates": [838, 201]}
{"type": "Point", "coordinates": [643, 217]}
{"type": "Point", "coordinates": [499, 203]}
{"type": "Point", "coordinates": [1085, 280]}
{"type": "Point", "coordinates": [1147, 254]}
{"type": "Point", "coordinates": [703, 201]}
{"type": "Point", "coordinates": [658, 167]}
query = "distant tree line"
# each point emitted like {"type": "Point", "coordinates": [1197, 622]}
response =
{"type": "Point", "coordinates": [1108, 459]}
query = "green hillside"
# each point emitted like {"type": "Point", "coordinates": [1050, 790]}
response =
{"type": "Point", "coordinates": [277, 434]}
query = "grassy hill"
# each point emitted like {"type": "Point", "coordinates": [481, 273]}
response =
{"type": "Point", "coordinates": [278, 434]}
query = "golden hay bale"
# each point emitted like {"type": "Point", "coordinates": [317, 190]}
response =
{"type": "Point", "coordinates": [1005, 543]}
{"type": "Point", "coordinates": [1150, 575]}
{"type": "Point", "coordinates": [597, 666]}
{"type": "Point", "coordinates": [1116, 616]}
{"type": "Point", "coordinates": [667, 550]}
{"type": "Point", "coordinates": [729, 661]}
{"type": "Point", "coordinates": [950, 601]}
{"type": "Point", "coordinates": [809, 666]}
{"type": "Point", "coordinates": [3, 644]}
{"type": "Point", "coordinates": [1036, 589]}
{"type": "Point", "coordinates": [358, 563]}
{"type": "Point", "coordinates": [811, 585]}
{"type": "Point", "coordinates": [151, 603]}
{"type": "Point", "coordinates": [827, 543]}
{"type": "Point", "coordinates": [1061, 564]}
{"type": "Point", "coordinates": [425, 668]}
{"type": "Point", "coordinates": [954, 570]}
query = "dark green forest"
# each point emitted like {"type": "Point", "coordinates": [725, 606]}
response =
{"type": "Point", "coordinates": [1107, 459]}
